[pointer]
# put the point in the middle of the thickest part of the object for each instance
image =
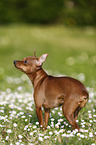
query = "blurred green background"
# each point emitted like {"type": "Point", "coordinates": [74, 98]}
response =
{"type": "Point", "coordinates": [68, 12]}
{"type": "Point", "coordinates": [64, 29]}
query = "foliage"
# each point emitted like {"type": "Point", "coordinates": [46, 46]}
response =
{"type": "Point", "coordinates": [80, 12]}
{"type": "Point", "coordinates": [34, 11]}
{"type": "Point", "coordinates": [69, 12]}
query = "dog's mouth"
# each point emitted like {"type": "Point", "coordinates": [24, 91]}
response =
{"type": "Point", "coordinates": [15, 62]}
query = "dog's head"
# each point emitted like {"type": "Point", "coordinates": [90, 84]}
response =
{"type": "Point", "coordinates": [30, 64]}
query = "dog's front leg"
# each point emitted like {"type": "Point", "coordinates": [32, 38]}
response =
{"type": "Point", "coordinates": [39, 115]}
{"type": "Point", "coordinates": [46, 118]}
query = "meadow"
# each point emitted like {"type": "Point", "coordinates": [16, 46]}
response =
{"type": "Point", "coordinates": [71, 52]}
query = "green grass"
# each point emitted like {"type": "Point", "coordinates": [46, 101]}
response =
{"type": "Point", "coordinates": [72, 52]}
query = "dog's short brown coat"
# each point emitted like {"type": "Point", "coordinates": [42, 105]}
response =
{"type": "Point", "coordinates": [50, 91]}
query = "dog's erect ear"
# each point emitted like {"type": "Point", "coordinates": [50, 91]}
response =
{"type": "Point", "coordinates": [41, 59]}
{"type": "Point", "coordinates": [35, 53]}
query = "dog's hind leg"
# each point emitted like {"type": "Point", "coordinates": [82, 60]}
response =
{"type": "Point", "coordinates": [77, 112]}
{"type": "Point", "coordinates": [69, 107]}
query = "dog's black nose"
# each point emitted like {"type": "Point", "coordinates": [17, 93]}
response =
{"type": "Point", "coordinates": [15, 61]}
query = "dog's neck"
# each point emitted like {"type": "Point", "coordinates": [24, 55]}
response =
{"type": "Point", "coordinates": [37, 77]}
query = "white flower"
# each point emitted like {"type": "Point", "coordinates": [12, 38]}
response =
{"type": "Point", "coordinates": [20, 141]}
{"type": "Point", "coordinates": [59, 113]}
{"type": "Point", "coordinates": [17, 143]}
{"type": "Point", "coordinates": [0, 125]}
{"type": "Point", "coordinates": [71, 135]}
{"type": "Point", "coordinates": [93, 110]}
{"type": "Point", "coordinates": [57, 125]}
{"type": "Point", "coordinates": [90, 134]}
{"type": "Point", "coordinates": [56, 132]}
{"type": "Point", "coordinates": [7, 137]}
{"type": "Point", "coordinates": [52, 124]}
{"type": "Point", "coordinates": [35, 131]}
{"type": "Point", "coordinates": [63, 126]}
{"type": "Point", "coordinates": [53, 111]}
{"type": "Point", "coordinates": [90, 116]}
{"type": "Point", "coordinates": [56, 108]}
{"type": "Point", "coordinates": [60, 120]}
{"type": "Point", "coordinates": [41, 126]}
{"type": "Point", "coordinates": [90, 121]}
{"type": "Point", "coordinates": [37, 123]}
{"type": "Point", "coordinates": [82, 120]}
{"type": "Point", "coordinates": [15, 125]}
{"type": "Point", "coordinates": [48, 127]}
{"type": "Point", "coordinates": [69, 131]}
{"type": "Point", "coordinates": [9, 131]}
{"type": "Point", "coordinates": [31, 133]}
{"type": "Point", "coordinates": [11, 106]}
{"type": "Point", "coordinates": [21, 113]}
{"type": "Point", "coordinates": [26, 120]}
{"type": "Point", "coordinates": [82, 135]}
{"type": "Point", "coordinates": [61, 130]}
{"type": "Point", "coordinates": [75, 131]}
{"type": "Point", "coordinates": [20, 136]}
{"type": "Point", "coordinates": [40, 138]}
{"type": "Point", "coordinates": [78, 134]}
{"type": "Point", "coordinates": [85, 130]}
{"type": "Point", "coordinates": [2, 111]}
{"type": "Point", "coordinates": [77, 120]}
{"type": "Point", "coordinates": [83, 126]}
{"type": "Point", "coordinates": [81, 130]}
{"type": "Point", "coordinates": [8, 90]}
{"type": "Point", "coordinates": [19, 88]}
{"type": "Point", "coordinates": [25, 127]}
{"type": "Point", "coordinates": [40, 134]}
{"type": "Point", "coordinates": [50, 132]}
{"type": "Point", "coordinates": [23, 116]}
{"type": "Point", "coordinates": [52, 119]}
{"type": "Point", "coordinates": [13, 112]}
{"type": "Point", "coordinates": [45, 137]}
{"type": "Point", "coordinates": [34, 126]}
{"type": "Point", "coordinates": [64, 135]}
{"type": "Point", "coordinates": [89, 111]}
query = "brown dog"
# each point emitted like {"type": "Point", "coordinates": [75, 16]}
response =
{"type": "Point", "coordinates": [51, 92]}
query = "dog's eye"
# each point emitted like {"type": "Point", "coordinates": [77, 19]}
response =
{"type": "Point", "coordinates": [25, 61]}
